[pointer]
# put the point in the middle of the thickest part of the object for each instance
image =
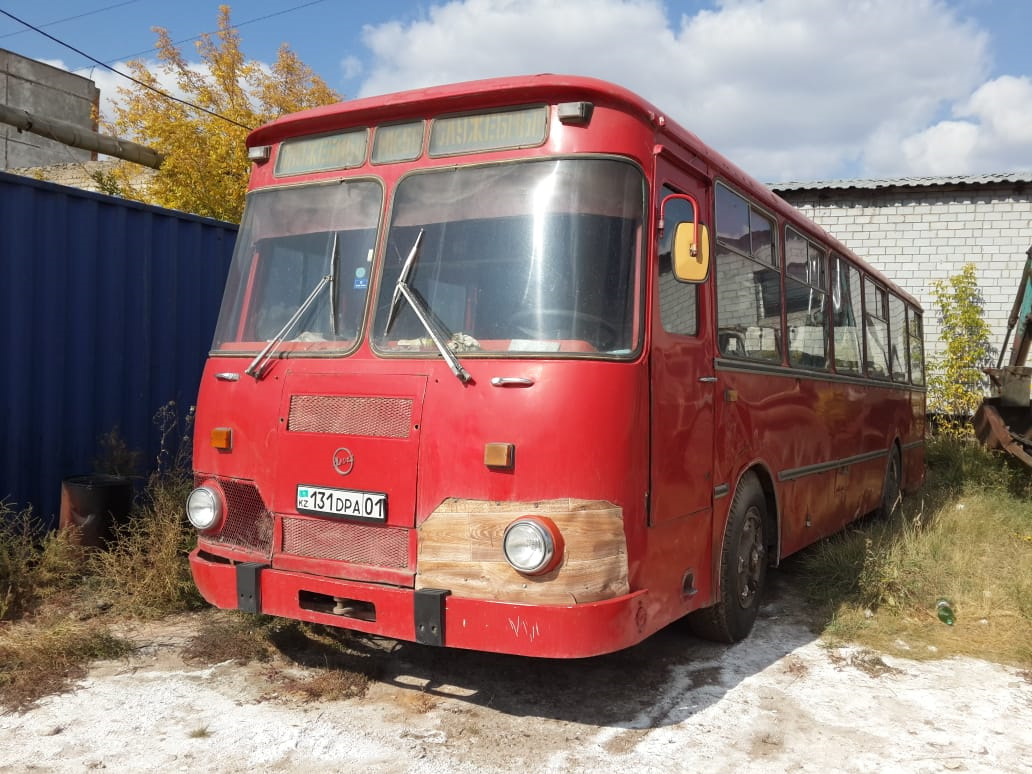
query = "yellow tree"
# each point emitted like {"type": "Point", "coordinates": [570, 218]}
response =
{"type": "Point", "coordinates": [205, 168]}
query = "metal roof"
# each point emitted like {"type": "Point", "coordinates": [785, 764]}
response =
{"type": "Point", "coordinates": [906, 182]}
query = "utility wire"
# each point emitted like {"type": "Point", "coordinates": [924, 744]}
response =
{"type": "Point", "coordinates": [73, 18]}
{"type": "Point", "coordinates": [138, 82]}
{"type": "Point", "coordinates": [230, 27]}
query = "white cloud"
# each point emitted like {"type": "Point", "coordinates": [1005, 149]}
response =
{"type": "Point", "coordinates": [787, 88]}
{"type": "Point", "coordinates": [992, 133]}
{"type": "Point", "coordinates": [350, 67]}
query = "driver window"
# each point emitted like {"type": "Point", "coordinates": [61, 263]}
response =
{"type": "Point", "coordinates": [678, 301]}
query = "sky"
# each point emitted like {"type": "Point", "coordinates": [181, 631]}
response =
{"type": "Point", "coordinates": [790, 90]}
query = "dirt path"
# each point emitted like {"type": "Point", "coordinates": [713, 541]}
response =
{"type": "Point", "coordinates": [779, 701]}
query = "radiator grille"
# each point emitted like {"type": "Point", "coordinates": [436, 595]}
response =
{"type": "Point", "coordinates": [350, 415]}
{"type": "Point", "coordinates": [248, 523]}
{"type": "Point", "coordinates": [346, 542]}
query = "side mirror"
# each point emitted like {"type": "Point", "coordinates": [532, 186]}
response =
{"type": "Point", "coordinates": [691, 254]}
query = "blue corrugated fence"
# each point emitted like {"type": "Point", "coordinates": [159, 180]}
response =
{"type": "Point", "coordinates": [108, 310]}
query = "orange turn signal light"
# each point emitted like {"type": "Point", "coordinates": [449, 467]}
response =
{"type": "Point", "coordinates": [222, 438]}
{"type": "Point", "coordinates": [499, 455]}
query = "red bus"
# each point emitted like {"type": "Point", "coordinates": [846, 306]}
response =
{"type": "Point", "coordinates": [523, 366]}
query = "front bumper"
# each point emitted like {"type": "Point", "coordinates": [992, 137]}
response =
{"type": "Point", "coordinates": [435, 616]}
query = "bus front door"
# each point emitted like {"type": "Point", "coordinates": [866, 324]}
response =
{"type": "Point", "coordinates": [682, 389]}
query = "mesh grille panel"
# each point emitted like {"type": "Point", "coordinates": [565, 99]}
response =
{"type": "Point", "coordinates": [350, 415]}
{"type": "Point", "coordinates": [346, 542]}
{"type": "Point", "coordinates": [248, 523]}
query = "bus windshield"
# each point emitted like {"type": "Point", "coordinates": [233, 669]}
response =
{"type": "Point", "coordinates": [535, 257]}
{"type": "Point", "coordinates": [290, 239]}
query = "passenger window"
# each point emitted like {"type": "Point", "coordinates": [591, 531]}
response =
{"type": "Point", "coordinates": [898, 332]}
{"type": "Point", "coordinates": [846, 315]}
{"type": "Point", "coordinates": [805, 301]}
{"type": "Point", "coordinates": [876, 328]}
{"type": "Point", "coordinates": [748, 281]}
{"type": "Point", "coordinates": [915, 329]}
{"type": "Point", "coordinates": [678, 301]}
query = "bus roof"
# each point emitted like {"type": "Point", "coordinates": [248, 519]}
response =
{"type": "Point", "coordinates": [548, 88]}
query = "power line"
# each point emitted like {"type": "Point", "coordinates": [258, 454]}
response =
{"type": "Point", "coordinates": [138, 82]}
{"type": "Point", "coordinates": [230, 27]}
{"type": "Point", "coordinates": [73, 18]}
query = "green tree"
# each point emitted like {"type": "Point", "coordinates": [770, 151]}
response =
{"type": "Point", "coordinates": [206, 167]}
{"type": "Point", "coordinates": [957, 383]}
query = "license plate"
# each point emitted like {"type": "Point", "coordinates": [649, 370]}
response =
{"type": "Point", "coordinates": [345, 503]}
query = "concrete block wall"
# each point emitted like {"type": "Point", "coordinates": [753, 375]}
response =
{"type": "Point", "coordinates": [918, 234]}
{"type": "Point", "coordinates": [48, 92]}
{"type": "Point", "coordinates": [82, 174]}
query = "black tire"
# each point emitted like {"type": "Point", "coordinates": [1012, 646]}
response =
{"type": "Point", "coordinates": [743, 568]}
{"type": "Point", "coordinates": [891, 495]}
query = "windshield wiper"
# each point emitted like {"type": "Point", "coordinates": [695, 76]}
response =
{"type": "Point", "coordinates": [334, 280]}
{"type": "Point", "coordinates": [402, 289]}
{"type": "Point", "coordinates": [257, 367]}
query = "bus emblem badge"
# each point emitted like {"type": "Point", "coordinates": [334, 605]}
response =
{"type": "Point", "coordinates": [343, 461]}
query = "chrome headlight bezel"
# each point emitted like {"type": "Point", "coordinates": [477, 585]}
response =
{"type": "Point", "coordinates": [532, 545]}
{"type": "Point", "coordinates": [204, 508]}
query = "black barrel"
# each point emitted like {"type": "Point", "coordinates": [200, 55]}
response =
{"type": "Point", "coordinates": [92, 505]}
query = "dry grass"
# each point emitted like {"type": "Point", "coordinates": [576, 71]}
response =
{"type": "Point", "coordinates": [332, 670]}
{"type": "Point", "coordinates": [34, 564]}
{"type": "Point", "coordinates": [42, 657]}
{"type": "Point", "coordinates": [969, 540]}
{"type": "Point", "coordinates": [336, 669]}
{"type": "Point", "coordinates": [332, 684]}
{"type": "Point", "coordinates": [241, 638]}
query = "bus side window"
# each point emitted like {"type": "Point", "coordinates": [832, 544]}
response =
{"type": "Point", "coordinates": [916, 339]}
{"type": "Point", "coordinates": [678, 301]}
{"type": "Point", "coordinates": [748, 280]}
{"type": "Point", "coordinates": [806, 282]}
{"type": "Point", "coordinates": [876, 330]}
{"type": "Point", "coordinates": [846, 316]}
{"type": "Point", "coordinates": [898, 332]}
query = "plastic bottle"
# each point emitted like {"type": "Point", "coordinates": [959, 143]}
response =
{"type": "Point", "coordinates": [944, 610]}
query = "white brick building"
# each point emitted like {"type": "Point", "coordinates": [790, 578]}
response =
{"type": "Point", "coordinates": [918, 230]}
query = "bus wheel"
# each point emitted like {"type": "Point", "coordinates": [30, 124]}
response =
{"type": "Point", "coordinates": [743, 568]}
{"type": "Point", "coordinates": [890, 489]}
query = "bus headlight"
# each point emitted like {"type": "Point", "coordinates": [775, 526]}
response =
{"type": "Point", "coordinates": [533, 545]}
{"type": "Point", "coordinates": [204, 508]}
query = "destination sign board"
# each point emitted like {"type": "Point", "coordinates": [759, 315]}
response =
{"type": "Point", "coordinates": [341, 150]}
{"type": "Point", "coordinates": [488, 131]}
{"type": "Point", "coordinates": [397, 142]}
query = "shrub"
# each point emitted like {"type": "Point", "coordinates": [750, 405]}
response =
{"type": "Point", "coordinates": [145, 571]}
{"type": "Point", "coordinates": [957, 383]}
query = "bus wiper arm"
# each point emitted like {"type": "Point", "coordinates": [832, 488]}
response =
{"type": "Point", "coordinates": [406, 270]}
{"type": "Point", "coordinates": [334, 281]}
{"type": "Point", "coordinates": [257, 367]}
{"type": "Point", "coordinates": [402, 289]}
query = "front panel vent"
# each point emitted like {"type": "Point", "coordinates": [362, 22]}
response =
{"type": "Point", "coordinates": [374, 546]}
{"type": "Point", "coordinates": [350, 415]}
